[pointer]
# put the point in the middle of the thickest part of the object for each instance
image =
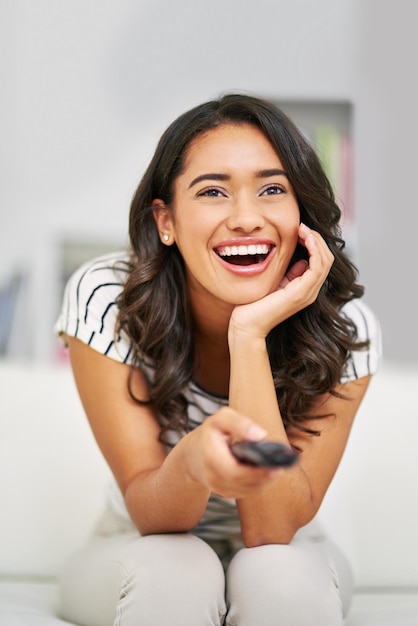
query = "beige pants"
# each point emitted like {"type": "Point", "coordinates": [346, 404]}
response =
{"type": "Point", "coordinates": [178, 580]}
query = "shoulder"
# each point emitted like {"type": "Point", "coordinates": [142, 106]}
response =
{"type": "Point", "coordinates": [89, 307]}
{"type": "Point", "coordinates": [109, 270]}
{"type": "Point", "coordinates": [363, 317]}
{"type": "Point", "coordinates": [365, 361]}
{"type": "Point", "coordinates": [96, 284]}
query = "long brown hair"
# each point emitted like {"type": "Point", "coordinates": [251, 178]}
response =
{"type": "Point", "coordinates": [309, 350]}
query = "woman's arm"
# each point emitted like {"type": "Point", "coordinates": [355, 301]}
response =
{"type": "Point", "coordinates": [295, 497]}
{"type": "Point", "coordinates": [163, 492]}
{"type": "Point", "coordinates": [159, 497]}
{"type": "Point", "coordinates": [297, 492]}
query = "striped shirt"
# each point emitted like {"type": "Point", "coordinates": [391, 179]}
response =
{"type": "Point", "coordinates": [89, 312]}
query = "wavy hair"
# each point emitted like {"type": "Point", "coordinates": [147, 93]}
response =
{"type": "Point", "coordinates": [309, 350]}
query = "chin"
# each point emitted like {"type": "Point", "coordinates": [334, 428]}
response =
{"type": "Point", "coordinates": [248, 297]}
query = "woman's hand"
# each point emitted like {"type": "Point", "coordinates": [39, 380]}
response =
{"type": "Point", "coordinates": [210, 462]}
{"type": "Point", "coordinates": [297, 290]}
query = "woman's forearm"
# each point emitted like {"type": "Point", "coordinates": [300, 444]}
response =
{"type": "Point", "coordinates": [166, 499]}
{"type": "Point", "coordinates": [251, 389]}
{"type": "Point", "coordinates": [274, 516]}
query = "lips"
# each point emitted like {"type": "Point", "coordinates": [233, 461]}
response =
{"type": "Point", "coordinates": [244, 254]}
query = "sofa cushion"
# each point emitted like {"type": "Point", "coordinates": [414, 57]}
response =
{"type": "Point", "coordinates": [29, 604]}
{"type": "Point", "coordinates": [52, 474]}
{"type": "Point", "coordinates": [384, 609]}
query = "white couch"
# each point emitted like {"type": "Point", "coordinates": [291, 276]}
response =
{"type": "Point", "coordinates": [52, 479]}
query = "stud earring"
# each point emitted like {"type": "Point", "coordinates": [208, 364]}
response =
{"type": "Point", "coordinates": [166, 237]}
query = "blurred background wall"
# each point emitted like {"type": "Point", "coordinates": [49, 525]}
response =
{"type": "Point", "coordinates": [87, 87]}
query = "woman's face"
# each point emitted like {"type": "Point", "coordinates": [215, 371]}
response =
{"type": "Point", "coordinates": [234, 217]}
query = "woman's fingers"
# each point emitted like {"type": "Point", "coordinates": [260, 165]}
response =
{"type": "Point", "coordinates": [215, 465]}
{"type": "Point", "coordinates": [311, 275]}
{"type": "Point", "coordinates": [296, 270]}
{"type": "Point", "coordinates": [320, 256]}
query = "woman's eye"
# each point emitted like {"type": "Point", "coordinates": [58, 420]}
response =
{"type": "Point", "coordinates": [272, 190]}
{"type": "Point", "coordinates": [211, 192]}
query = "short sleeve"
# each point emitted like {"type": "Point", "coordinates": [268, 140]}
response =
{"type": "Point", "coordinates": [89, 307]}
{"type": "Point", "coordinates": [367, 361]}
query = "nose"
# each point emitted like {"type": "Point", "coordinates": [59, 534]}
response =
{"type": "Point", "coordinates": [245, 216]}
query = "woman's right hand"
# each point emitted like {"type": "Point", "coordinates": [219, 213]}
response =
{"type": "Point", "coordinates": [209, 460]}
{"type": "Point", "coordinates": [298, 289]}
{"type": "Point", "coordinates": [163, 492]}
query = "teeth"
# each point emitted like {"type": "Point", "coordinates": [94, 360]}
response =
{"type": "Point", "coordinates": [252, 249]}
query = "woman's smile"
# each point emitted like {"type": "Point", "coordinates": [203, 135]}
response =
{"type": "Point", "coordinates": [245, 256]}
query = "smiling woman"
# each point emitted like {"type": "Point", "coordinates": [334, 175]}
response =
{"type": "Point", "coordinates": [235, 315]}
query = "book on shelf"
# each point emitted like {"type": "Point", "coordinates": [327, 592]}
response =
{"type": "Point", "coordinates": [335, 151]}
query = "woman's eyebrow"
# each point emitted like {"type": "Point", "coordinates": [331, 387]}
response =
{"type": "Point", "coordinates": [259, 174]}
{"type": "Point", "coordinates": [198, 179]}
{"type": "Point", "coordinates": [272, 172]}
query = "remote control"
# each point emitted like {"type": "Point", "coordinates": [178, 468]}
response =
{"type": "Point", "coordinates": [264, 453]}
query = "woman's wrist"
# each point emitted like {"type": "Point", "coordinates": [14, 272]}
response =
{"type": "Point", "coordinates": [247, 337]}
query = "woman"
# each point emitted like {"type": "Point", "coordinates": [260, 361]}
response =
{"type": "Point", "coordinates": [236, 315]}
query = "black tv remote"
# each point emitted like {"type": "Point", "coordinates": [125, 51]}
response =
{"type": "Point", "coordinates": [264, 453]}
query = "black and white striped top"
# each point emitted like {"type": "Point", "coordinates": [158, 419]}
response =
{"type": "Point", "coordinates": [89, 312]}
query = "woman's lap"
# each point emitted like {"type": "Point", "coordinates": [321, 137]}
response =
{"type": "Point", "coordinates": [178, 580]}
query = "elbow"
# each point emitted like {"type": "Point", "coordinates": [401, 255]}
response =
{"type": "Point", "coordinates": [256, 539]}
{"type": "Point", "coordinates": [156, 524]}
{"type": "Point", "coordinates": [281, 532]}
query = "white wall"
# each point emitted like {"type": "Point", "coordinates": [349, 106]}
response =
{"type": "Point", "coordinates": [88, 86]}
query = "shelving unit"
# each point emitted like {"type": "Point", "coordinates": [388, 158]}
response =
{"type": "Point", "coordinates": [328, 124]}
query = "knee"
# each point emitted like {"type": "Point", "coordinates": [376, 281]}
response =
{"type": "Point", "coordinates": [165, 574]}
{"type": "Point", "coordinates": [171, 554]}
{"type": "Point", "coordinates": [278, 565]}
{"type": "Point", "coordinates": [283, 578]}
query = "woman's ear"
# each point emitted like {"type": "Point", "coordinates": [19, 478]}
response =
{"type": "Point", "coordinates": [164, 221]}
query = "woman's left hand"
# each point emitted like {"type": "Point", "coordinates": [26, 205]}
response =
{"type": "Point", "coordinates": [298, 289]}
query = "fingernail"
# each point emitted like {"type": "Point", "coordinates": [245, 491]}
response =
{"type": "Point", "coordinates": [255, 433]}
